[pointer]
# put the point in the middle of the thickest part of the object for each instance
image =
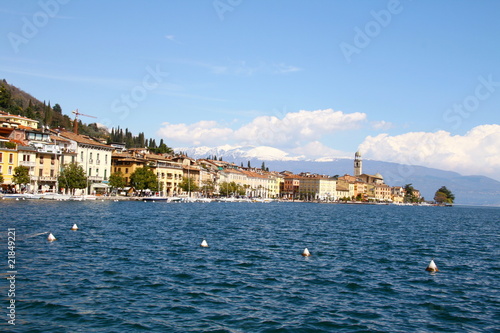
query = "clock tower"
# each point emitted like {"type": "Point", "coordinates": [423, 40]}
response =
{"type": "Point", "coordinates": [358, 164]}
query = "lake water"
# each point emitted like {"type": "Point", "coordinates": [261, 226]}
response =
{"type": "Point", "coordinates": [138, 267]}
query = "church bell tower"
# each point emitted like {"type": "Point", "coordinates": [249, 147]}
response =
{"type": "Point", "coordinates": [358, 164]}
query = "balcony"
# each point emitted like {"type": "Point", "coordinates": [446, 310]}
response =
{"type": "Point", "coordinates": [95, 178]}
{"type": "Point", "coordinates": [45, 178]}
{"type": "Point", "coordinates": [48, 149]}
{"type": "Point", "coordinates": [27, 163]}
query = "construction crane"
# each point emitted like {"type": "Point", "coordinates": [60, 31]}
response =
{"type": "Point", "coordinates": [75, 122]}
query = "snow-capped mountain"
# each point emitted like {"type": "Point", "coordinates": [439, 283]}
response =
{"type": "Point", "coordinates": [229, 153]}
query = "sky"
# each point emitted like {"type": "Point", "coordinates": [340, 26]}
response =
{"type": "Point", "coordinates": [414, 82]}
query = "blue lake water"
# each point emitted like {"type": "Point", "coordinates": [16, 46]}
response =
{"type": "Point", "coordinates": [138, 267]}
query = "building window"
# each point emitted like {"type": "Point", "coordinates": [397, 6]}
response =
{"type": "Point", "coordinates": [10, 170]}
{"type": "Point", "coordinates": [41, 159]}
{"type": "Point", "coordinates": [105, 158]}
{"type": "Point", "coordinates": [98, 156]}
{"type": "Point", "coordinates": [52, 173]}
{"type": "Point", "coordinates": [40, 172]}
{"type": "Point", "coordinates": [11, 158]}
{"type": "Point", "coordinates": [90, 172]}
{"type": "Point", "coordinates": [126, 170]}
{"type": "Point", "coordinates": [97, 172]}
{"type": "Point", "coordinates": [1, 157]}
{"type": "Point", "coordinates": [105, 174]}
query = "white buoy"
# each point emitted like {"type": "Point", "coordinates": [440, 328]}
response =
{"type": "Point", "coordinates": [432, 267]}
{"type": "Point", "coordinates": [306, 253]}
{"type": "Point", "coordinates": [51, 238]}
{"type": "Point", "coordinates": [74, 227]}
{"type": "Point", "coordinates": [204, 243]}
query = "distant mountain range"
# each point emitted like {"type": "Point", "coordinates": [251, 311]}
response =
{"type": "Point", "coordinates": [470, 190]}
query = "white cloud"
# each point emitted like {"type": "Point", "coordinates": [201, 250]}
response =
{"type": "Point", "coordinates": [382, 125]}
{"type": "Point", "coordinates": [291, 131]}
{"type": "Point", "coordinates": [284, 68]}
{"type": "Point", "coordinates": [200, 133]}
{"type": "Point", "coordinates": [476, 152]}
{"type": "Point", "coordinates": [296, 127]}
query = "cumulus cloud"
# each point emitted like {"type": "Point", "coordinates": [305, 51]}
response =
{"type": "Point", "coordinates": [296, 127]}
{"type": "Point", "coordinates": [476, 152]}
{"type": "Point", "coordinates": [290, 131]}
{"type": "Point", "coordinates": [200, 133]}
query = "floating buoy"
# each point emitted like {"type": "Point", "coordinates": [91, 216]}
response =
{"type": "Point", "coordinates": [51, 238]}
{"type": "Point", "coordinates": [204, 243]}
{"type": "Point", "coordinates": [432, 267]}
{"type": "Point", "coordinates": [74, 227]}
{"type": "Point", "coordinates": [306, 253]}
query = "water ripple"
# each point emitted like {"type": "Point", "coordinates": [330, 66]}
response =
{"type": "Point", "coordinates": [137, 266]}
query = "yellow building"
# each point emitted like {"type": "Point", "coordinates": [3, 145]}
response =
{"type": "Point", "coordinates": [8, 162]}
{"type": "Point", "coordinates": [274, 184]}
{"type": "Point", "coordinates": [14, 119]}
{"type": "Point", "coordinates": [169, 174]}
{"type": "Point", "coordinates": [382, 192]}
{"type": "Point", "coordinates": [126, 163]}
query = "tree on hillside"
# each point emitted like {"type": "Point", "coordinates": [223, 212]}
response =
{"type": "Point", "coordinates": [116, 180]}
{"type": "Point", "coordinates": [21, 175]}
{"type": "Point", "coordinates": [144, 178]}
{"type": "Point", "coordinates": [57, 108]}
{"type": "Point", "coordinates": [72, 177]}
{"type": "Point", "coordinates": [5, 96]}
{"type": "Point", "coordinates": [444, 196]}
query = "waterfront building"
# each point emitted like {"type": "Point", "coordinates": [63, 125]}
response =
{"type": "Point", "coordinates": [95, 159]}
{"type": "Point", "coordinates": [318, 187]}
{"type": "Point", "coordinates": [126, 163]}
{"type": "Point", "coordinates": [27, 158]}
{"type": "Point", "coordinates": [256, 184]}
{"type": "Point", "coordinates": [230, 175]}
{"type": "Point", "coordinates": [344, 189]}
{"type": "Point", "coordinates": [274, 184]}
{"type": "Point", "coordinates": [382, 192]}
{"type": "Point", "coordinates": [290, 184]}
{"type": "Point", "coordinates": [398, 194]}
{"type": "Point", "coordinates": [169, 173]}
{"type": "Point", "coordinates": [8, 161]}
